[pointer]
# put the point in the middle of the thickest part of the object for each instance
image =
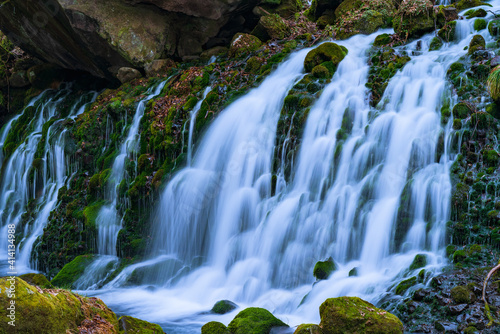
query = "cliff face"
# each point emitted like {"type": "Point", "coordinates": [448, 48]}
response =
{"type": "Point", "coordinates": [100, 37]}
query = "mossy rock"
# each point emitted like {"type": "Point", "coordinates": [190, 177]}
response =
{"type": "Point", "coordinates": [382, 39]}
{"type": "Point", "coordinates": [271, 27]}
{"type": "Point", "coordinates": [419, 261]}
{"type": "Point", "coordinates": [53, 311]}
{"type": "Point", "coordinates": [403, 286]}
{"type": "Point", "coordinates": [243, 44]}
{"type": "Point", "coordinates": [129, 325]}
{"type": "Point", "coordinates": [353, 272]}
{"type": "Point", "coordinates": [459, 256]}
{"type": "Point", "coordinates": [214, 327]}
{"type": "Point", "coordinates": [447, 33]}
{"type": "Point", "coordinates": [320, 72]}
{"type": "Point", "coordinates": [472, 13]}
{"type": "Point", "coordinates": [254, 320]}
{"type": "Point", "coordinates": [494, 27]}
{"type": "Point", "coordinates": [323, 269]}
{"type": "Point", "coordinates": [224, 306]}
{"type": "Point", "coordinates": [461, 110]}
{"type": "Point", "coordinates": [412, 20]}
{"type": "Point", "coordinates": [477, 43]}
{"type": "Point", "coordinates": [91, 212]}
{"type": "Point", "coordinates": [37, 280]}
{"type": "Point", "coordinates": [436, 44]}
{"type": "Point", "coordinates": [72, 271]}
{"type": "Point", "coordinates": [464, 4]}
{"type": "Point", "coordinates": [325, 52]}
{"type": "Point", "coordinates": [480, 24]}
{"type": "Point", "coordinates": [308, 329]}
{"type": "Point", "coordinates": [461, 295]}
{"type": "Point", "coordinates": [353, 315]}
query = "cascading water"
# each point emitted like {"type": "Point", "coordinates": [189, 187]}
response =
{"type": "Point", "coordinates": [34, 180]}
{"type": "Point", "coordinates": [192, 122]}
{"type": "Point", "coordinates": [108, 220]}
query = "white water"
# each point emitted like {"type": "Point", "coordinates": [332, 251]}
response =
{"type": "Point", "coordinates": [225, 237]}
{"type": "Point", "coordinates": [17, 188]}
{"type": "Point", "coordinates": [109, 220]}
{"type": "Point", "coordinates": [192, 122]}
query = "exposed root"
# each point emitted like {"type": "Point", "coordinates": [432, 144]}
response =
{"type": "Point", "coordinates": [486, 305]}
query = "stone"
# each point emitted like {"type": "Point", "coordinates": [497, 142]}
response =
{"type": "Point", "coordinates": [254, 320]}
{"type": "Point", "coordinates": [420, 294]}
{"type": "Point", "coordinates": [419, 261]}
{"type": "Point", "coordinates": [214, 52]}
{"type": "Point", "coordinates": [308, 329]}
{"type": "Point", "coordinates": [223, 307]}
{"type": "Point", "coordinates": [271, 27]}
{"type": "Point", "coordinates": [354, 315]}
{"type": "Point", "coordinates": [214, 327]}
{"type": "Point", "coordinates": [126, 74]}
{"type": "Point", "coordinates": [324, 53]}
{"type": "Point", "coordinates": [456, 309]}
{"type": "Point", "coordinates": [446, 327]}
{"type": "Point", "coordinates": [323, 269]}
{"type": "Point", "coordinates": [130, 325]}
{"type": "Point", "coordinates": [243, 44]}
{"type": "Point", "coordinates": [19, 79]}
{"type": "Point", "coordinates": [159, 66]}
{"type": "Point", "coordinates": [37, 280]}
{"type": "Point", "coordinates": [413, 21]}
{"type": "Point", "coordinates": [443, 300]}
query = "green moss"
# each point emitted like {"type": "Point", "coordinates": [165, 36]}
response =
{"type": "Point", "coordinates": [403, 286]}
{"type": "Point", "coordinates": [308, 329]}
{"type": "Point", "coordinates": [223, 307]}
{"type": "Point", "coordinates": [57, 312]}
{"type": "Point", "coordinates": [323, 53]}
{"type": "Point", "coordinates": [460, 295]}
{"type": "Point", "coordinates": [461, 110]}
{"type": "Point", "coordinates": [353, 272]}
{"type": "Point", "coordinates": [37, 280]}
{"type": "Point", "coordinates": [457, 124]}
{"type": "Point", "coordinates": [419, 261]}
{"type": "Point", "coordinates": [459, 256]}
{"type": "Point", "coordinates": [214, 327]}
{"type": "Point", "coordinates": [494, 27]}
{"type": "Point", "coordinates": [447, 33]}
{"type": "Point", "coordinates": [320, 72]}
{"type": "Point", "coordinates": [479, 24]}
{"type": "Point", "coordinates": [134, 325]}
{"type": "Point", "coordinates": [472, 13]}
{"type": "Point", "coordinates": [414, 19]}
{"type": "Point", "coordinates": [493, 83]}
{"type": "Point", "coordinates": [253, 65]}
{"type": "Point", "coordinates": [323, 269]}
{"type": "Point", "coordinates": [190, 103]}
{"type": "Point", "coordinates": [254, 320]}
{"type": "Point", "coordinates": [490, 157]}
{"type": "Point", "coordinates": [72, 271]}
{"type": "Point", "coordinates": [436, 44]}
{"type": "Point", "coordinates": [464, 4]}
{"type": "Point", "coordinates": [271, 27]}
{"type": "Point", "coordinates": [243, 44]}
{"type": "Point", "coordinates": [91, 212]}
{"type": "Point", "coordinates": [354, 315]}
{"type": "Point", "coordinates": [477, 43]}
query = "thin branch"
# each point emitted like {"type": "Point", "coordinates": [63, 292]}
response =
{"type": "Point", "coordinates": [486, 305]}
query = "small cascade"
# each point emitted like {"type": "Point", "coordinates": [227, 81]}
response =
{"type": "Point", "coordinates": [192, 122]}
{"type": "Point", "coordinates": [109, 221]}
{"type": "Point", "coordinates": [33, 174]}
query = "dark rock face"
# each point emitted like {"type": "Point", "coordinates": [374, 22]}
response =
{"type": "Point", "coordinates": [101, 37]}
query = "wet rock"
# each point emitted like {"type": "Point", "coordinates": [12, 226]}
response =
{"type": "Point", "coordinates": [443, 300]}
{"type": "Point", "coordinates": [159, 66]}
{"type": "Point", "coordinates": [495, 61]}
{"type": "Point", "coordinates": [420, 294]}
{"type": "Point", "coordinates": [403, 286]}
{"type": "Point", "coordinates": [126, 74]}
{"type": "Point", "coordinates": [461, 295]}
{"type": "Point", "coordinates": [271, 27]}
{"type": "Point", "coordinates": [323, 269]}
{"type": "Point", "coordinates": [224, 306]}
{"type": "Point", "coordinates": [214, 327]}
{"type": "Point", "coordinates": [37, 280]}
{"type": "Point", "coordinates": [243, 44]}
{"type": "Point", "coordinates": [353, 272]}
{"type": "Point", "coordinates": [354, 315]}
{"type": "Point", "coordinates": [414, 21]}
{"type": "Point", "coordinates": [19, 79]}
{"type": "Point", "coordinates": [419, 261]}
{"type": "Point", "coordinates": [254, 320]}
{"type": "Point", "coordinates": [476, 44]}
{"type": "Point", "coordinates": [326, 52]}
{"type": "Point", "coordinates": [308, 329]}
{"type": "Point", "coordinates": [446, 327]}
{"type": "Point", "coordinates": [456, 309]}
{"type": "Point", "coordinates": [412, 306]}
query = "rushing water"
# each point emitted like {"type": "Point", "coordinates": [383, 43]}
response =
{"type": "Point", "coordinates": [221, 235]}
{"type": "Point", "coordinates": [22, 183]}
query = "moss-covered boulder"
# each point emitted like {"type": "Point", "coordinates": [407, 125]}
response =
{"type": "Point", "coordinates": [480, 24]}
{"type": "Point", "coordinates": [308, 329]}
{"type": "Point", "coordinates": [464, 4]}
{"type": "Point", "coordinates": [436, 44]}
{"type": "Point", "coordinates": [494, 27]}
{"type": "Point", "coordinates": [461, 295]}
{"type": "Point", "coordinates": [323, 269]}
{"type": "Point", "coordinates": [38, 280]}
{"type": "Point", "coordinates": [477, 43]}
{"type": "Point", "coordinates": [129, 325]}
{"type": "Point", "coordinates": [447, 33]}
{"type": "Point", "coordinates": [271, 27]}
{"type": "Point", "coordinates": [72, 271]}
{"type": "Point", "coordinates": [419, 261]}
{"type": "Point", "coordinates": [382, 39]}
{"type": "Point", "coordinates": [326, 52]}
{"type": "Point", "coordinates": [414, 18]}
{"type": "Point", "coordinates": [319, 7]}
{"type": "Point", "coordinates": [254, 320]}
{"type": "Point", "coordinates": [243, 44]}
{"type": "Point", "coordinates": [461, 110]}
{"type": "Point", "coordinates": [493, 83]}
{"type": "Point", "coordinates": [404, 285]}
{"type": "Point", "coordinates": [353, 315]}
{"type": "Point", "coordinates": [214, 327]}
{"type": "Point", "coordinates": [52, 311]}
{"type": "Point", "coordinates": [223, 307]}
{"type": "Point", "coordinates": [475, 13]}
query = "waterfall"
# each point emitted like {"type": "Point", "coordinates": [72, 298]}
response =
{"type": "Point", "coordinates": [220, 234]}
{"type": "Point", "coordinates": [108, 220]}
{"type": "Point", "coordinates": [33, 174]}
{"type": "Point", "coordinates": [192, 122]}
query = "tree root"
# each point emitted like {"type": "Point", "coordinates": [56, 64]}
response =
{"type": "Point", "coordinates": [486, 305]}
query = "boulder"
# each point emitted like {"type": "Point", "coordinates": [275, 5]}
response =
{"type": "Point", "coordinates": [414, 21]}
{"type": "Point", "coordinates": [477, 43]}
{"type": "Point", "coordinates": [19, 79]}
{"type": "Point", "coordinates": [464, 4]}
{"type": "Point", "coordinates": [318, 7]}
{"type": "Point", "coordinates": [308, 329]}
{"type": "Point", "coordinates": [326, 52]}
{"type": "Point", "coordinates": [214, 327]}
{"type": "Point", "coordinates": [126, 74]}
{"type": "Point", "coordinates": [345, 315]}
{"type": "Point", "coordinates": [72, 271]}
{"type": "Point", "coordinates": [254, 320]}
{"type": "Point", "coordinates": [271, 27]}
{"type": "Point", "coordinates": [420, 260]}
{"type": "Point", "coordinates": [223, 307]}
{"type": "Point", "coordinates": [130, 325]}
{"type": "Point", "coordinates": [38, 280]}
{"type": "Point", "coordinates": [159, 66]}
{"type": "Point", "coordinates": [323, 269]}
{"type": "Point", "coordinates": [243, 44]}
